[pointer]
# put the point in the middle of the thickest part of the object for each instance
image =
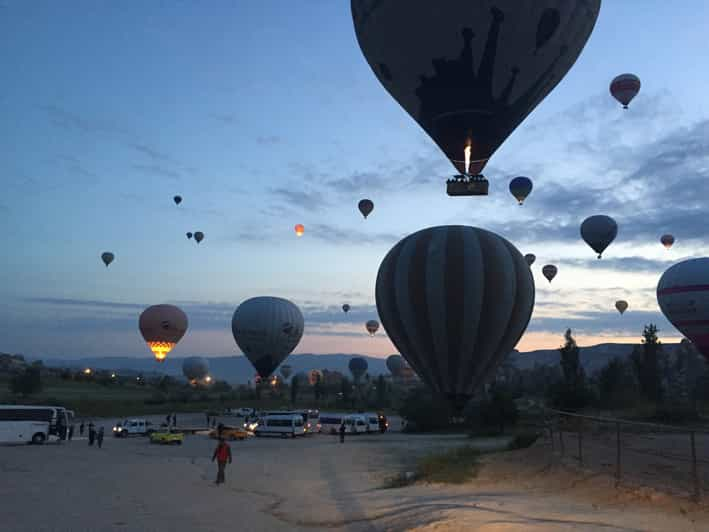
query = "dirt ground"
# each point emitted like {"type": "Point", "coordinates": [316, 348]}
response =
{"type": "Point", "coordinates": [312, 483]}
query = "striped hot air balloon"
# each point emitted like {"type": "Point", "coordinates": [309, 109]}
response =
{"type": "Point", "coordinates": [454, 300]}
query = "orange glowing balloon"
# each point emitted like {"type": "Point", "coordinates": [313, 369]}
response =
{"type": "Point", "coordinates": [299, 229]}
{"type": "Point", "coordinates": [162, 326]}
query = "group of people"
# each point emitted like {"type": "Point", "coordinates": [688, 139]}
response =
{"type": "Point", "coordinates": [94, 435]}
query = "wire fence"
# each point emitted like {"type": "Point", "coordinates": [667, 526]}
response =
{"type": "Point", "coordinates": [673, 459]}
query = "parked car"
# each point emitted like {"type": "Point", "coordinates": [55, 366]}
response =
{"type": "Point", "coordinates": [132, 427]}
{"type": "Point", "coordinates": [167, 438]}
{"type": "Point", "coordinates": [230, 433]}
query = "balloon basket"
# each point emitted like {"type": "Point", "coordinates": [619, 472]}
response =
{"type": "Point", "coordinates": [467, 185]}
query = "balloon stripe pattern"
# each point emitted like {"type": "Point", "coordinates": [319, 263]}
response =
{"type": "Point", "coordinates": [454, 300]}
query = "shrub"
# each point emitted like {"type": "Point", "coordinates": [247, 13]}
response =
{"type": "Point", "coordinates": [523, 440]}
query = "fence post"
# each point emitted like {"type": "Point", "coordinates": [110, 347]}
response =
{"type": "Point", "coordinates": [551, 434]}
{"type": "Point", "coordinates": [580, 441]}
{"type": "Point", "coordinates": [695, 472]}
{"type": "Point", "coordinates": [617, 454]}
{"type": "Point", "coordinates": [561, 438]}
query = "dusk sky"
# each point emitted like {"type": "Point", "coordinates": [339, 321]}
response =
{"type": "Point", "coordinates": [264, 114]}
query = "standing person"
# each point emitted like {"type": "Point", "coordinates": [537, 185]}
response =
{"type": "Point", "coordinates": [81, 428]}
{"type": "Point", "coordinates": [342, 431]}
{"type": "Point", "coordinates": [92, 433]}
{"type": "Point", "coordinates": [174, 420]}
{"type": "Point", "coordinates": [207, 414]}
{"type": "Point", "coordinates": [99, 437]}
{"type": "Point", "coordinates": [222, 454]}
{"type": "Point", "coordinates": [167, 420]}
{"type": "Point", "coordinates": [71, 431]}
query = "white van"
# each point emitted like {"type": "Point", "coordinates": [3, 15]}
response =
{"type": "Point", "coordinates": [372, 422]}
{"type": "Point", "coordinates": [281, 424]}
{"type": "Point", "coordinates": [356, 424]}
{"type": "Point", "coordinates": [132, 427]}
{"type": "Point", "coordinates": [330, 423]}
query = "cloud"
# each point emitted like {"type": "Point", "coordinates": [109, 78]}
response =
{"type": "Point", "coordinates": [63, 118]}
{"type": "Point", "coordinates": [225, 118]}
{"type": "Point", "coordinates": [304, 199]}
{"type": "Point", "coordinates": [157, 170]}
{"type": "Point", "coordinates": [150, 152]}
{"type": "Point", "coordinates": [338, 235]}
{"type": "Point", "coordinates": [269, 139]}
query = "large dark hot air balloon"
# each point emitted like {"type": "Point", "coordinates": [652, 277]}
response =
{"type": "Point", "coordinates": [683, 296]}
{"type": "Point", "coordinates": [198, 236]}
{"type": "Point", "coordinates": [624, 88]}
{"type": "Point", "coordinates": [621, 305]}
{"type": "Point", "coordinates": [469, 72]}
{"type": "Point", "coordinates": [667, 241]}
{"type": "Point", "coordinates": [454, 300]}
{"type": "Point", "coordinates": [107, 257]}
{"type": "Point", "coordinates": [162, 326]}
{"type": "Point", "coordinates": [520, 187]}
{"type": "Point", "coordinates": [267, 329]}
{"type": "Point", "coordinates": [549, 271]}
{"type": "Point", "coordinates": [345, 308]}
{"type": "Point", "coordinates": [372, 327]}
{"type": "Point", "coordinates": [365, 206]}
{"type": "Point", "coordinates": [358, 367]}
{"type": "Point", "coordinates": [598, 232]}
{"type": "Point", "coordinates": [177, 200]}
{"type": "Point", "coordinates": [395, 363]}
{"type": "Point", "coordinates": [195, 369]}
{"type": "Point", "coordinates": [529, 258]}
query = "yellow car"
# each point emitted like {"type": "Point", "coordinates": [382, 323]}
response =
{"type": "Point", "coordinates": [167, 438]}
{"type": "Point", "coordinates": [230, 433]}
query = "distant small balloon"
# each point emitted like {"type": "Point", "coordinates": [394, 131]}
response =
{"type": "Point", "coordinates": [107, 258]}
{"type": "Point", "coordinates": [346, 308]}
{"type": "Point", "coordinates": [529, 258]}
{"type": "Point", "coordinates": [299, 230]}
{"type": "Point", "coordinates": [372, 327]}
{"type": "Point", "coordinates": [189, 235]}
{"type": "Point", "coordinates": [199, 236]}
{"type": "Point", "coordinates": [624, 88]}
{"type": "Point", "coordinates": [549, 271]}
{"type": "Point", "coordinates": [520, 187]}
{"type": "Point", "coordinates": [621, 306]}
{"type": "Point", "coordinates": [366, 206]}
{"type": "Point", "coordinates": [667, 240]}
{"type": "Point", "coordinates": [177, 200]}
{"type": "Point", "coordinates": [599, 231]}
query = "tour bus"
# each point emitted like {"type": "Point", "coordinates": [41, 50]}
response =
{"type": "Point", "coordinates": [330, 423]}
{"type": "Point", "coordinates": [281, 424]}
{"type": "Point", "coordinates": [311, 418]}
{"type": "Point", "coordinates": [355, 424]}
{"type": "Point", "coordinates": [372, 422]}
{"type": "Point", "coordinates": [31, 424]}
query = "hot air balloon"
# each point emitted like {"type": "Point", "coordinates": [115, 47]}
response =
{"type": "Point", "coordinates": [358, 367]}
{"type": "Point", "coordinates": [199, 236]}
{"type": "Point", "coordinates": [299, 229]}
{"type": "Point", "coordinates": [470, 72]}
{"type": "Point", "coordinates": [520, 187]}
{"type": "Point", "coordinates": [598, 232]}
{"type": "Point", "coordinates": [621, 305]}
{"type": "Point", "coordinates": [683, 296]}
{"type": "Point", "coordinates": [162, 326]}
{"type": "Point", "coordinates": [624, 88]}
{"type": "Point", "coordinates": [549, 271]}
{"type": "Point", "coordinates": [366, 206]}
{"type": "Point", "coordinates": [107, 257]}
{"type": "Point", "coordinates": [345, 308]}
{"type": "Point", "coordinates": [195, 369]}
{"type": "Point", "coordinates": [454, 300]}
{"type": "Point", "coordinates": [372, 327]}
{"type": "Point", "coordinates": [189, 235]}
{"type": "Point", "coordinates": [267, 329]}
{"type": "Point", "coordinates": [177, 200]}
{"type": "Point", "coordinates": [529, 258]}
{"type": "Point", "coordinates": [286, 371]}
{"type": "Point", "coordinates": [667, 241]}
{"type": "Point", "coordinates": [395, 363]}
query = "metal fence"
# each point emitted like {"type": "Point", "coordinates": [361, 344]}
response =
{"type": "Point", "coordinates": [670, 458]}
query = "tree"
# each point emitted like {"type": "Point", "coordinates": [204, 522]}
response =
{"type": "Point", "coordinates": [381, 391]}
{"type": "Point", "coordinates": [28, 382]}
{"type": "Point", "coordinates": [616, 386]}
{"type": "Point", "coordinates": [646, 364]}
{"type": "Point", "coordinates": [317, 387]}
{"type": "Point", "coordinates": [294, 385]}
{"type": "Point", "coordinates": [571, 393]}
{"type": "Point", "coordinates": [499, 410]}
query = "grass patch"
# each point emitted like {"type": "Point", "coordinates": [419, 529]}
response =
{"type": "Point", "coordinates": [455, 466]}
{"type": "Point", "coordinates": [523, 440]}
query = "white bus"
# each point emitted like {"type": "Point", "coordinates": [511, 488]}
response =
{"type": "Point", "coordinates": [372, 422]}
{"type": "Point", "coordinates": [284, 425]}
{"type": "Point", "coordinates": [32, 424]}
{"type": "Point", "coordinates": [330, 423]}
{"type": "Point", "coordinates": [355, 424]}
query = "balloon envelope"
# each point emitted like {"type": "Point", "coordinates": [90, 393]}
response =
{"type": "Point", "coordinates": [162, 326]}
{"type": "Point", "coordinates": [195, 368]}
{"type": "Point", "coordinates": [454, 300]}
{"type": "Point", "coordinates": [177, 200]}
{"type": "Point", "coordinates": [372, 327]}
{"type": "Point", "coordinates": [683, 296]}
{"type": "Point", "coordinates": [358, 367]}
{"type": "Point", "coordinates": [529, 258]}
{"type": "Point", "coordinates": [621, 306]}
{"type": "Point", "coordinates": [549, 271]}
{"type": "Point", "coordinates": [599, 231]}
{"type": "Point", "coordinates": [267, 329]}
{"type": "Point", "coordinates": [346, 308]}
{"type": "Point", "coordinates": [395, 363]}
{"type": "Point", "coordinates": [189, 235]}
{"type": "Point", "coordinates": [520, 187]}
{"type": "Point", "coordinates": [299, 230]}
{"type": "Point", "coordinates": [199, 236]}
{"type": "Point", "coordinates": [470, 72]}
{"type": "Point", "coordinates": [667, 241]}
{"type": "Point", "coordinates": [366, 206]}
{"type": "Point", "coordinates": [107, 257]}
{"type": "Point", "coordinates": [624, 88]}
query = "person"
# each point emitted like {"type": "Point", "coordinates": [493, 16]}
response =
{"type": "Point", "coordinates": [92, 433]}
{"type": "Point", "coordinates": [71, 431]}
{"type": "Point", "coordinates": [81, 428]}
{"type": "Point", "coordinates": [222, 454]}
{"type": "Point", "coordinates": [167, 420]}
{"type": "Point", "coordinates": [220, 428]}
{"type": "Point", "coordinates": [207, 419]}
{"type": "Point", "coordinates": [214, 422]}
{"type": "Point", "coordinates": [174, 420]}
{"type": "Point", "coordinates": [99, 437]}
{"type": "Point", "coordinates": [342, 431]}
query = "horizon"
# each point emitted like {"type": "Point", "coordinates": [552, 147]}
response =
{"type": "Point", "coordinates": [257, 134]}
